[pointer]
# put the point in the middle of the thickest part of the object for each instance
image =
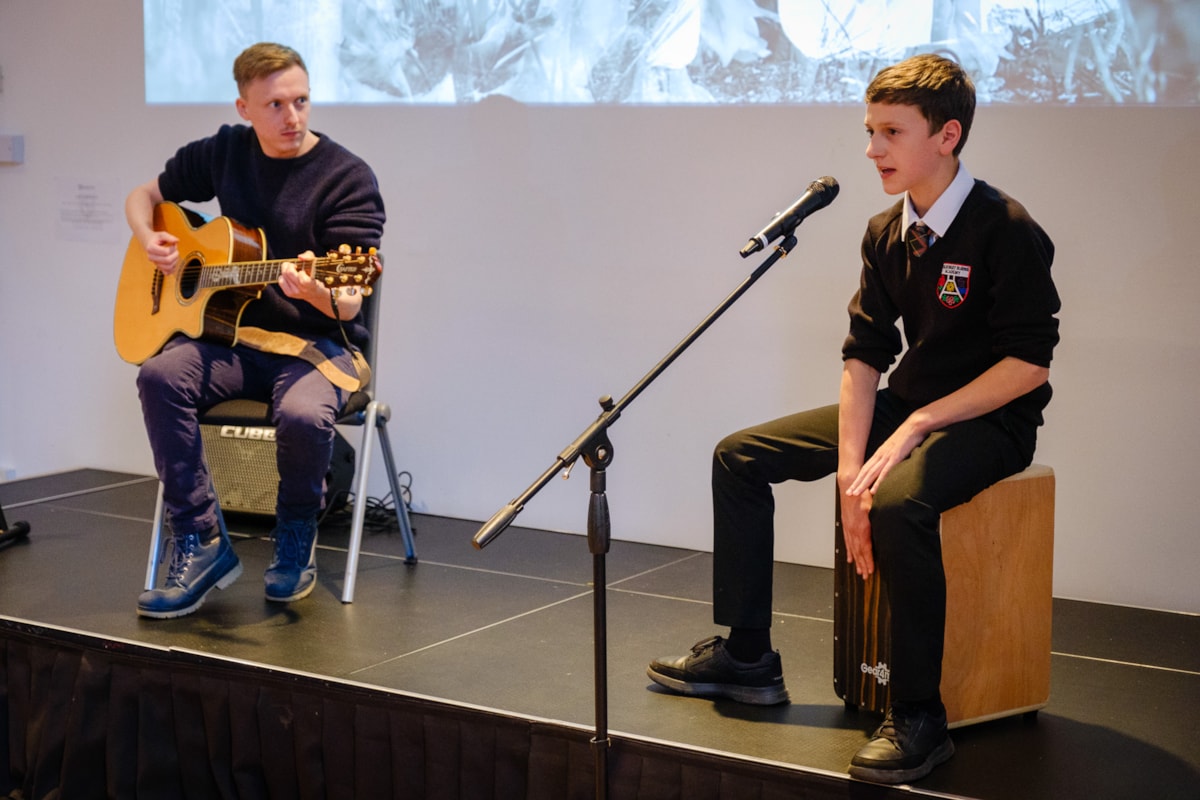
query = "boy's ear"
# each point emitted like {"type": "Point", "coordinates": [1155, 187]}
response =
{"type": "Point", "coordinates": [950, 134]}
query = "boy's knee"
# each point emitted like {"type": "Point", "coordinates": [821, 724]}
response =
{"type": "Point", "coordinates": [897, 521]}
{"type": "Point", "coordinates": [732, 454]}
{"type": "Point", "coordinates": [729, 445]}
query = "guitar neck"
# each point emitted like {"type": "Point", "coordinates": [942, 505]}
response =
{"type": "Point", "coordinates": [247, 273]}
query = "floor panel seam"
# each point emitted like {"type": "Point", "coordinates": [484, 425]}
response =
{"type": "Point", "coordinates": [446, 565]}
{"type": "Point", "coordinates": [784, 614]}
{"type": "Point", "coordinates": [652, 570]}
{"type": "Point", "coordinates": [1119, 663]}
{"type": "Point", "coordinates": [78, 493]}
{"type": "Point", "coordinates": [480, 629]}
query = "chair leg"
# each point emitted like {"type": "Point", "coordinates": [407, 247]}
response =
{"type": "Point", "coordinates": [410, 552]}
{"type": "Point", "coordinates": [156, 541]}
{"type": "Point", "coordinates": [360, 505]}
{"type": "Point", "coordinates": [375, 419]}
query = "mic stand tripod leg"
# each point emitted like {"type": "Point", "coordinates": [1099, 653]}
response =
{"type": "Point", "coordinates": [598, 455]}
{"type": "Point", "coordinates": [19, 530]}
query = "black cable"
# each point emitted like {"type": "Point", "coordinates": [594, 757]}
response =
{"type": "Point", "coordinates": [380, 514]}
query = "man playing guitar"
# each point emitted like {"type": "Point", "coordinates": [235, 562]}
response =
{"type": "Point", "coordinates": [307, 194]}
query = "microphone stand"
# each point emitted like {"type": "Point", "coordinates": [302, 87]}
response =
{"type": "Point", "coordinates": [594, 447]}
{"type": "Point", "coordinates": [19, 530]}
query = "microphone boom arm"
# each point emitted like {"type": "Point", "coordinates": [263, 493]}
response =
{"type": "Point", "coordinates": [592, 436]}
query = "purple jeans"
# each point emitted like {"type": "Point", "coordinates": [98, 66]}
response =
{"type": "Point", "coordinates": [192, 375]}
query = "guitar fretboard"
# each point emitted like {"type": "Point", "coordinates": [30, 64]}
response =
{"type": "Point", "coordinates": [252, 273]}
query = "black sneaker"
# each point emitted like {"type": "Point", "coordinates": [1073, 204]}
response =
{"type": "Point", "coordinates": [709, 671]}
{"type": "Point", "coordinates": [906, 747]}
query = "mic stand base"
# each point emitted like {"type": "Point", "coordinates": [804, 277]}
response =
{"type": "Point", "coordinates": [19, 530]}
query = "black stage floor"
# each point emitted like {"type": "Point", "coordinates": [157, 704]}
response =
{"type": "Point", "coordinates": [511, 629]}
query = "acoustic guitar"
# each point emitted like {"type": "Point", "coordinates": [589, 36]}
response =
{"type": "Point", "coordinates": [221, 270]}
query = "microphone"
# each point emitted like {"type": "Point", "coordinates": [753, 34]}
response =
{"type": "Point", "coordinates": [820, 194]}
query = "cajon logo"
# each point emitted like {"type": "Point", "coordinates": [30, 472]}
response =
{"type": "Point", "coordinates": [880, 671]}
{"type": "Point", "coordinates": [242, 432]}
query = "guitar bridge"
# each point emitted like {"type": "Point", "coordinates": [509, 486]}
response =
{"type": "Point", "coordinates": [156, 292]}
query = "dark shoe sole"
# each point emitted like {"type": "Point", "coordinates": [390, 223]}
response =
{"type": "Point", "coordinates": [298, 595]}
{"type": "Point", "coordinates": [751, 695]}
{"type": "Point", "coordinates": [225, 580]}
{"type": "Point", "coordinates": [941, 754]}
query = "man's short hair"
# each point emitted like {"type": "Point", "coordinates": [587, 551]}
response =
{"type": "Point", "coordinates": [263, 59]}
{"type": "Point", "coordinates": [940, 88]}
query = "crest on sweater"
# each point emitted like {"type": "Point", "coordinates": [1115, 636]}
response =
{"type": "Point", "coordinates": [953, 285]}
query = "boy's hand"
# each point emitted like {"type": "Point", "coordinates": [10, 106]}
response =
{"type": "Point", "coordinates": [856, 531]}
{"type": "Point", "coordinates": [895, 449]}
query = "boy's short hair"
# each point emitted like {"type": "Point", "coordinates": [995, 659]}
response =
{"type": "Point", "coordinates": [263, 59]}
{"type": "Point", "coordinates": [940, 88]}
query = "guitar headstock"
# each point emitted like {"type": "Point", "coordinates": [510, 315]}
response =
{"type": "Point", "coordinates": [349, 268]}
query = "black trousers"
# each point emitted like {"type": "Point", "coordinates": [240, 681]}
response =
{"type": "Point", "coordinates": [949, 468]}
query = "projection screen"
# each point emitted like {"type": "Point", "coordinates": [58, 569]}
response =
{"type": "Point", "coordinates": [443, 52]}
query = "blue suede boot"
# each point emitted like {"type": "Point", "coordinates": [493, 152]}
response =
{"type": "Point", "coordinates": [293, 573]}
{"type": "Point", "coordinates": [200, 563]}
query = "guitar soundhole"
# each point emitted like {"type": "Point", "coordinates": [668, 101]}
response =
{"type": "Point", "coordinates": [189, 280]}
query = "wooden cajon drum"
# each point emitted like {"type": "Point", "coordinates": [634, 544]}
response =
{"type": "Point", "coordinates": [998, 552]}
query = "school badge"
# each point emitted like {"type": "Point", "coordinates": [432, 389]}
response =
{"type": "Point", "coordinates": [953, 285]}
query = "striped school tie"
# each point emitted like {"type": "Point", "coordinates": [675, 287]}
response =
{"type": "Point", "coordinates": [919, 238]}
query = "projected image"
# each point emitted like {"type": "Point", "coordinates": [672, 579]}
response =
{"type": "Point", "coordinates": [441, 52]}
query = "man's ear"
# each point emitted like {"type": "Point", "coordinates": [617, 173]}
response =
{"type": "Point", "coordinates": [241, 108]}
{"type": "Point", "coordinates": [950, 135]}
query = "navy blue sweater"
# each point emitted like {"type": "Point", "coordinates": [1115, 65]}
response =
{"type": "Point", "coordinates": [318, 201]}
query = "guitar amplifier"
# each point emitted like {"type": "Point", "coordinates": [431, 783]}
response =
{"type": "Point", "coordinates": [241, 459]}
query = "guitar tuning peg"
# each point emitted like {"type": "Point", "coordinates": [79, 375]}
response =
{"type": "Point", "coordinates": [344, 249]}
{"type": "Point", "coordinates": [367, 291]}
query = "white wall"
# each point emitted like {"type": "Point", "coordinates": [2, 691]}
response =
{"type": "Point", "coordinates": [540, 257]}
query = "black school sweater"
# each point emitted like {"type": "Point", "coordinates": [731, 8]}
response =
{"type": "Point", "coordinates": [979, 294]}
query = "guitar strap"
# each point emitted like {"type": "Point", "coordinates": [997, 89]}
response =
{"type": "Point", "coordinates": [287, 344]}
